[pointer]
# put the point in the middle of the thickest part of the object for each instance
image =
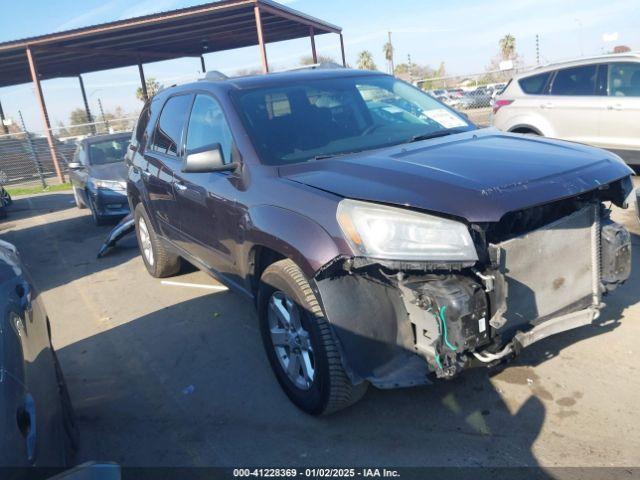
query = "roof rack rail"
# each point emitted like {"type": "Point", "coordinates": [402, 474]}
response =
{"type": "Point", "coordinates": [213, 75]}
{"type": "Point", "coordinates": [313, 66]}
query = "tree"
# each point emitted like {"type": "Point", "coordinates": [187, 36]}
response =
{"type": "Point", "coordinates": [621, 49]}
{"type": "Point", "coordinates": [308, 59]}
{"type": "Point", "coordinates": [153, 87]}
{"type": "Point", "coordinates": [77, 123]}
{"type": "Point", "coordinates": [365, 61]}
{"type": "Point", "coordinates": [387, 49]}
{"type": "Point", "coordinates": [507, 46]}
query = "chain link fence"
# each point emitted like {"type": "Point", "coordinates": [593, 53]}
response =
{"type": "Point", "coordinates": [471, 94]}
{"type": "Point", "coordinates": [26, 158]}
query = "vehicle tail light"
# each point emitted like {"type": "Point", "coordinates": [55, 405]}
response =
{"type": "Point", "coordinates": [500, 103]}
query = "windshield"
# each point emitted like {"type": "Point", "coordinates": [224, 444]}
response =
{"type": "Point", "coordinates": [109, 151]}
{"type": "Point", "coordinates": [321, 118]}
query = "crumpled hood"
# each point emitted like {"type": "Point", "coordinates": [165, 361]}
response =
{"type": "Point", "coordinates": [110, 171]}
{"type": "Point", "coordinates": [478, 175]}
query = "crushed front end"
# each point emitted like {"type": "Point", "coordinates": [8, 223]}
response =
{"type": "Point", "coordinates": [540, 271]}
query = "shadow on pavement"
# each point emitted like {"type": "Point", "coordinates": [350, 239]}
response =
{"type": "Point", "coordinates": [61, 251]}
{"type": "Point", "coordinates": [191, 385]}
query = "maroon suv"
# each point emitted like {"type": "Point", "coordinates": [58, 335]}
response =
{"type": "Point", "coordinates": [384, 238]}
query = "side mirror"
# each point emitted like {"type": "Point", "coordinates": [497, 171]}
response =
{"type": "Point", "coordinates": [207, 159]}
{"type": "Point", "coordinates": [75, 166]}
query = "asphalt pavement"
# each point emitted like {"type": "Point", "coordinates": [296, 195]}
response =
{"type": "Point", "coordinates": [175, 374]}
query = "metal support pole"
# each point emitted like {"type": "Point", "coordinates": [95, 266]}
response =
{"type": "Point", "coordinates": [86, 105]}
{"type": "Point", "coordinates": [32, 150]}
{"type": "Point", "coordinates": [344, 60]}
{"type": "Point", "coordinates": [263, 49]}
{"type": "Point", "coordinates": [43, 112]}
{"type": "Point", "coordinates": [104, 119]}
{"type": "Point", "coordinates": [204, 68]}
{"type": "Point", "coordinates": [143, 82]}
{"type": "Point", "coordinates": [312, 36]}
{"type": "Point", "coordinates": [5, 129]}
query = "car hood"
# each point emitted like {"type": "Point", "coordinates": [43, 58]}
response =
{"type": "Point", "coordinates": [110, 171]}
{"type": "Point", "coordinates": [478, 175]}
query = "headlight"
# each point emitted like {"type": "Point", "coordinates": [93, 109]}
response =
{"type": "Point", "coordinates": [378, 231]}
{"type": "Point", "coordinates": [110, 184]}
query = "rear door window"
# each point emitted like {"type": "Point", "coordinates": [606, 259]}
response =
{"type": "Point", "coordinates": [168, 132]}
{"type": "Point", "coordinates": [575, 81]}
{"type": "Point", "coordinates": [624, 79]}
{"type": "Point", "coordinates": [536, 84]}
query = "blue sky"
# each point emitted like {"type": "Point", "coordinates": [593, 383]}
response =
{"type": "Point", "coordinates": [462, 33]}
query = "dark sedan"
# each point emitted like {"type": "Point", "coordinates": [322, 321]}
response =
{"type": "Point", "coordinates": [38, 428]}
{"type": "Point", "coordinates": [98, 174]}
{"type": "Point", "coordinates": [383, 238]}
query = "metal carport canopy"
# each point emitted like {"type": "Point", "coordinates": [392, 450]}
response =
{"type": "Point", "coordinates": [187, 32]}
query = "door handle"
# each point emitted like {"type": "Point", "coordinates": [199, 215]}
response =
{"type": "Point", "coordinates": [617, 106]}
{"type": "Point", "coordinates": [546, 105]}
{"type": "Point", "coordinates": [181, 187]}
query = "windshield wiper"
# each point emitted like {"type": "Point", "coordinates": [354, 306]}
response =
{"type": "Point", "coordinates": [324, 156]}
{"type": "Point", "coordinates": [439, 133]}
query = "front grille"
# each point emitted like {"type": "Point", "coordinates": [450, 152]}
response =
{"type": "Point", "coordinates": [551, 268]}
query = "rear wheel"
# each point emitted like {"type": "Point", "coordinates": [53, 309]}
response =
{"type": "Point", "coordinates": [299, 343]}
{"type": "Point", "coordinates": [158, 261]}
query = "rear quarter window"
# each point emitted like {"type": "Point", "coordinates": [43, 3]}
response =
{"type": "Point", "coordinates": [536, 84]}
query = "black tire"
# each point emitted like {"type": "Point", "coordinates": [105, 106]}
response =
{"type": "Point", "coordinates": [71, 431]}
{"type": "Point", "coordinates": [98, 220]}
{"type": "Point", "coordinates": [161, 263]}
{"type": "Point", "coordinates": [77, 199]}
{"type": "Point", "coordinates": [331, 389]}
{"type": "Point", "coordinates": [5, 197]}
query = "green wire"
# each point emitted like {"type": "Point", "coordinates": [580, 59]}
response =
{"type": "Point", "coordinates": [438, 361]}
{"type": "Point", "coordinates": [444, 329]}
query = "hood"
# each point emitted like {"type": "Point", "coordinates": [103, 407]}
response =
{"type": "Point", "coordinates": [478, 175]}
{"type": "Point", "coordinates": [110, 171]}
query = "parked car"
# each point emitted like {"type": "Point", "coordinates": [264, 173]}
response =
{"type": "Point", "coordinates": [378, 249]}
{"type": "Point", "coordinates": [98, 176]}
{"type": "Point", "coordinates": [591, 100]}
{"type": "Point", "coordinates": [38, 423]}
{"type": "Point", "coordinates": [479, 98]}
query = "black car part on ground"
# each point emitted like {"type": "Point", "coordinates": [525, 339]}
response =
{"type": "Point", "coordinates": [449, 317]}
{"type": "Point", "coordinates": [124, 227]}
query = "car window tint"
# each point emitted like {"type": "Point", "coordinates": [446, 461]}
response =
{"type": "Point", "coordinates": [168, 133]}
{"type": "Point", "coordinates": [319, 118]}
{"type": "Point", "coordinates": [208, 125]}
{"type": "Point", "coordinates": [575, 81]}
{"type": "Point", "coordinates": [624, 79]}
{"type": "Point", "coordinates": [109, 151]}
{"type": "Point", "coordinates": [534, 85]}
{"type": "Point", "coordinates": [141, 126]}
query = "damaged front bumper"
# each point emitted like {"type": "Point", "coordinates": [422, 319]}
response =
{"type": "Point", "coordinates": [399, 325]}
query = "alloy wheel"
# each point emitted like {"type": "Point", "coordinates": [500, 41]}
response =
{"type": "Point", "coordinates": [145, 241]}
{"type": "Point", "coordinates": [291, 341]}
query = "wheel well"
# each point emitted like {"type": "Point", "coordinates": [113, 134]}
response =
{"type": "Point", "coordinates": [261, 258]}
{"type": "Point", "coordinates": [524, 129]}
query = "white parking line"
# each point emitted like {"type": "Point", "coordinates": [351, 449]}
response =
{"type": "Point", "coordinates": [216, 288]}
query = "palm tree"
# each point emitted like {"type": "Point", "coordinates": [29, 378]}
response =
{"type": "Point", "coordinates": [365, 61]}
{"type": "Point", "coordinates": [387, 49]}
{"type": "Point", "coordinates": [507, 46]}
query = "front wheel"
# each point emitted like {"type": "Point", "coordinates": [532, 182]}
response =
{"type": "Point", "coordinates": [300, 344]}
{"type": "Point", "coordinates": [5, 198]}
{"type": "Point", "coordinates": [158, 261]}
{"type": "Point", "coordinates": [77, 199]}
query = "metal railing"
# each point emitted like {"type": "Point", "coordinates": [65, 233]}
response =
{"type": "Point", "coordinates": [26, 157]}
{"type": "Point", "coordinates": [471, 94]}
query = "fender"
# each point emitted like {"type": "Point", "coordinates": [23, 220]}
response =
{"type": "Point", "coordinates": [310, 248]}
{"type": "Point", "coordinates": [532, 121]}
